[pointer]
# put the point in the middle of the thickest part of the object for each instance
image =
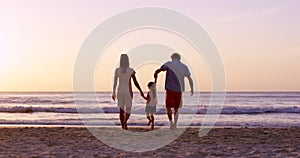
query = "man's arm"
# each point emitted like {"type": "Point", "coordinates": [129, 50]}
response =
{"type": "Point", "coordinates": [191, 84]}
{"type": "Point", "coordinates": [157, 72]}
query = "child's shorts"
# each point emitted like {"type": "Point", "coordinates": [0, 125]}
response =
{"type": "Point", "coordinates": [151, 109]}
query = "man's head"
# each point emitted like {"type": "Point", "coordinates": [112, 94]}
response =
{"type": "Point", "coordinates": [175, 56]}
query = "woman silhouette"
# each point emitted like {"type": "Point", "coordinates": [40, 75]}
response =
{"type": "Point", "coordinates": [124, 95]}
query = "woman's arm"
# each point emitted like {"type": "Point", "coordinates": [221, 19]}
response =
{"type": "Point", "coordinates": [114, 87]}
{"type": "Point", "coordinates": [137, 85]}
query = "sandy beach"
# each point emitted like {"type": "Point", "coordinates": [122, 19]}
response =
{"type": "Point", "coordinates": [219, 142]}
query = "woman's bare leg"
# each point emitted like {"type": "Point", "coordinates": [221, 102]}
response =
{"type": "Point", "coordinates": [128, 111]}
{"type": "Point", "coordinates": [122, 112]}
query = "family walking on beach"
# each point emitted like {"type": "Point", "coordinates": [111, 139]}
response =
{"type": "Point", "coordinates": [174, 86]}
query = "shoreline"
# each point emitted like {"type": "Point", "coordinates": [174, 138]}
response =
{"type": "Point", "coordinates": [130, 126]}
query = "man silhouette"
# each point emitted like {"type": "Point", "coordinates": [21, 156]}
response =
{"type": "Point", "coordinates": [174, 85]}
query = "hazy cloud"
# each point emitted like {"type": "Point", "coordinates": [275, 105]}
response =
{"type": "Point", "coordinates": [254, 15]}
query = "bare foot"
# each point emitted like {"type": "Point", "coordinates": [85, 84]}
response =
{"type": "Point", "coordinates": [174, 125]}
{"type": "Point", "coordinates": [171, 125]}
{"type": "Point", "coordinates": [125, 126]}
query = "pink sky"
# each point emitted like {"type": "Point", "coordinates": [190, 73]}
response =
{"type": "Point", "coordinates": [259, 41]}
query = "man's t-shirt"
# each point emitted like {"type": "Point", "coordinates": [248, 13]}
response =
{"type": "Point", "coordinates": [176, 71]}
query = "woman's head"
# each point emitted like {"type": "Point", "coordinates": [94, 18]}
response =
{"type": "Point", "coordinates": [124, 62]}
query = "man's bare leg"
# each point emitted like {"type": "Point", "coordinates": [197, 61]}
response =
{"type": "Point", "coordinates": [169, 113]}
{"type": "Point", "coordinates": [176, 116]}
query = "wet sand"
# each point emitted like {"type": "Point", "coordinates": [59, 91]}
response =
{"type": "Point", "coordinates": [219, 142]}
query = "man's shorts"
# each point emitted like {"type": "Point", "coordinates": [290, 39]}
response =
{"type": "Point", "coordinates": [173, 99]}
{"type": "Point", "coordinates": [124, 99]}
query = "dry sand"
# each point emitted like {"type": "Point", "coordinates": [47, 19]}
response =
{"type": "Point", "coordinates": [219, 142]}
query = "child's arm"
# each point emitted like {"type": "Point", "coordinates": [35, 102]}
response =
{"type": "Point", "coordinates": [148, 97]}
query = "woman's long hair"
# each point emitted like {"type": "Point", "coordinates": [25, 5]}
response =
{"type": "Point", "coordinates": [124, 62]}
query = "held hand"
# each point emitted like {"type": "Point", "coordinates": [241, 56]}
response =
{"type": "Point", "coordinates": [113, 96]}
{"type": "Point", "coordinates": [192, 92]}
{"type": "Point", "coordinates": [142, 94]}
{"type": "Point", "coordinates": [144, 97]}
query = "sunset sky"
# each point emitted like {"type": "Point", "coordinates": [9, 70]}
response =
{"type": "Point", "coordinates": [258, 40]}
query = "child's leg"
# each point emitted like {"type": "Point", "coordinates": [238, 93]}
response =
{"type": "Point", "coordinates": [148, 117]}
{"type": "Point", "coordinates": [152, 121]}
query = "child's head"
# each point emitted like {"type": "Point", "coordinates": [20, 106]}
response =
{"type": "Point", "coordinates": [151, 86]}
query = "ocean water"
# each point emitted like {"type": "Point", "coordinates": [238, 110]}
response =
{"type": "Point", "coordinates": [251, 109]}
